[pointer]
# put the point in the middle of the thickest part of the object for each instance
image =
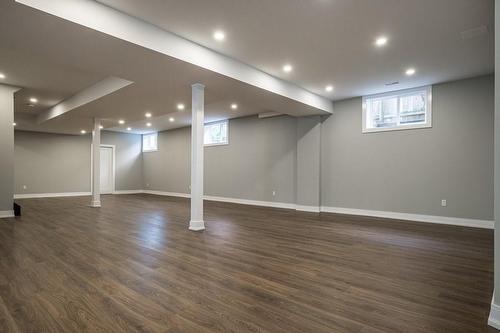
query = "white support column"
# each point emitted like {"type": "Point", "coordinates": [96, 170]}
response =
{"type": "Point", "coordinates": [7, 150]}
{"type": "Point", "coordinates": [96, 164]}
{"type": "Point", "coordinates": [494, 319]}
{"type": "Point", "coordinates": [197, 132]}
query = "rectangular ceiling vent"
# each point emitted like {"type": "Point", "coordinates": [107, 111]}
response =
{"type": "Point", "coordinates": [474, 32]}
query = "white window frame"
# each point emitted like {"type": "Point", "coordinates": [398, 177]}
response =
{"type": "Point", "coordinates": [149, 150]}
{"type": "Point", "coordinates": [399, 127]}
{"type": "Point", "coordinates": [216, 144]}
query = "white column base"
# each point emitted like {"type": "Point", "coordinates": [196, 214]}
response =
{"type": "Point", "coordinates": [95, 204]}
{"type": "Point", "coordinates": [6, 213]}
{"type": "Point", "coordinates": [196, 225]}
{"type": "Point", "coordinates": [494, 318]}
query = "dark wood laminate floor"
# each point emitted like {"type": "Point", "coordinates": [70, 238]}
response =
{"type": "Point", "coordinates": [133, 266]}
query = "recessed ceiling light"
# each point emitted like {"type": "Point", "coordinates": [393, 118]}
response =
{"type": "Point", "coordinates": [148, 124]}
{"type": "Point", "coordinates": [2, 76]}
{"type": "Point", "coordinates": [171, 119]}
{"type": "Point", "coordinates": [129, 128]}
{"type": "Point", "coordinates": [83, 131]}
{"type": "Point", "coordinates": [148, 114]}
{"type": "Point", "coordinates": [101, 127]}
{"type": "Point", "coordinates": [381, 41]}
{"type": "Point", "coordinates": [219, 35]}
{"type": "Point", "coordinates": [14, 124]}
{"type": "Point", "coordinates": [234, 106]}
{"type": "Point", "coordinates": [121, 121]}
{"type": "Point", "coordinates": [329, 88]}
{"type": "Point", "coordinates": [33, 100]}
{"type": "Point", "coordinates": [287, 68]}
{"type": "Point", "coordinates": [410, 71]}
{"type": "Point", "coordinates": [181, 106]}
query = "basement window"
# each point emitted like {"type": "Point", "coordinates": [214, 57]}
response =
{"type": "Point", "coordinates": [216, 133]}
{"type": "Point", "coordinates": [398, 110]}
{"type": "Point", "coordinates": [150, 142]}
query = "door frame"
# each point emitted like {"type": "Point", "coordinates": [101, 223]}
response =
{"type": "Point", "coordinates": [113, 162]}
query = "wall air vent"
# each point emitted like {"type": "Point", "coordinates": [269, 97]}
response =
{"type": "Point", "coordinates": [474, 32]}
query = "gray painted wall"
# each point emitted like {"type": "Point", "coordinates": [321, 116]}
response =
{"type": "Point", "coordinates": [259, 159]}
{"type": "Point", "coordinates": [56, 163]}
{"type": "Point", "coordinates": [6, 147]}
{"type": "Point", "coordinates": [400, 171]}
{"type": "Point", "coordinates": [308, 161]}
{"type": "Point", "coordinates": [411, 171]}
{"type": "Point", "coordinates": [497, 152]}
{"type": "Point", "coordinates": [128, 154]}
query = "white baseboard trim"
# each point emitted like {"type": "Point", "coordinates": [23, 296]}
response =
{"type": "Point", "coordinates": [310, 209]}
{"type": "Point", "coordinates": [168, 194]}
{"type": "Point", "coordinates": [251, 202]}
{"type": "Point", "coordinates": [494, 318]}
{"type": "Point", "coordinates": [225, 199]}
{"type": "Point", "coordinates": [486, 224]}
{"type": "Point", "coordinates": [51, 195]}
{"type": "Point", "coordinates": [6, 213]}
{"type": "Point", "coordinates": [128, 192]}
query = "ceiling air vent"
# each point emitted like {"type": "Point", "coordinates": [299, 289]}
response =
{"type": "Point", "coordinates": [392, 83]}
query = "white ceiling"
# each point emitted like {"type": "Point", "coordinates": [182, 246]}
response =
{"type": "Point", "coordinates": [327, 41]}
{"type": "Point", "coordinates": [331, 41]}
{"type": "Point", "coordinates": [52, 59]}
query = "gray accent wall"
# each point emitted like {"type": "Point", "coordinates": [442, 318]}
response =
{"type": "Point", "coordinates": [6, 148]}
{"type": "Point", "coordinates": [58, 163]}
{"type": "Point", "coordinates": [259, 159]}
{"type": "Point", "coordinates": [411, 171]}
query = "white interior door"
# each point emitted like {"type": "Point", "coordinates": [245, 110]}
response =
{"type": "Point", "coordinates": [107, 175]}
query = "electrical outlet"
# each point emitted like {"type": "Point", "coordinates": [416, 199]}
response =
{"type": "Point", "coordinates": [444, 203]}
{"type": "Point", "coordinates": [147, 185]}
{"type": "Point", "coordinates": [274, 193]}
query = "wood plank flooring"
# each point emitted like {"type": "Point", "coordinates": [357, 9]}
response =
{"type": "Point", "coordinates": [132, 266]}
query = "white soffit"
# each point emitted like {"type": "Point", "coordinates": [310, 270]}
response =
{"type": "Point", "coordinates": [100, 89]}
{"type": "Point", "coordinates": [98, 17]}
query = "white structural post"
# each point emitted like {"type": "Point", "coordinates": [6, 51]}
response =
{"type": "Point", "coordinates": [197, 132]}
{"type": "Point", "coordinates": [96, 164]}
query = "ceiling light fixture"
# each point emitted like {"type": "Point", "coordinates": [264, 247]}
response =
{"type": "Point", "coordinates": [181, 106]}
{"type": "Point", "coordinates": [129, 129]}
{"type": "Point", "coordinates": [381, 41]}
{"type": "Point", "coordinates": [329, 88]}
{"type": "Point", "coordinates": [234, 106]}
{"type": "Point", "coordinates": [287, 68]}
{"type": "Point", "coordinates": [2, 76]}
{"type": "Point", "coordinates": [121, 121]}
{"type": "Point", "coordinates": [171, 119]}
{"type": "Point", "coordinates": [148, 124]}
{"type": "Point", "coordinates": [148, 114]}
{"type": "Point", "coordinates": [219, 35]}
{"type": "Point", "coordinates": [410, 71]}
{"type": "Point", "coordinates": [83, 131]}
{"type": "Point", "coordinates": [33, 100]}
{"type": "Point", "coordinates": [101, 127]}
{"type": "Point", "coordinates": [14, 124]}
